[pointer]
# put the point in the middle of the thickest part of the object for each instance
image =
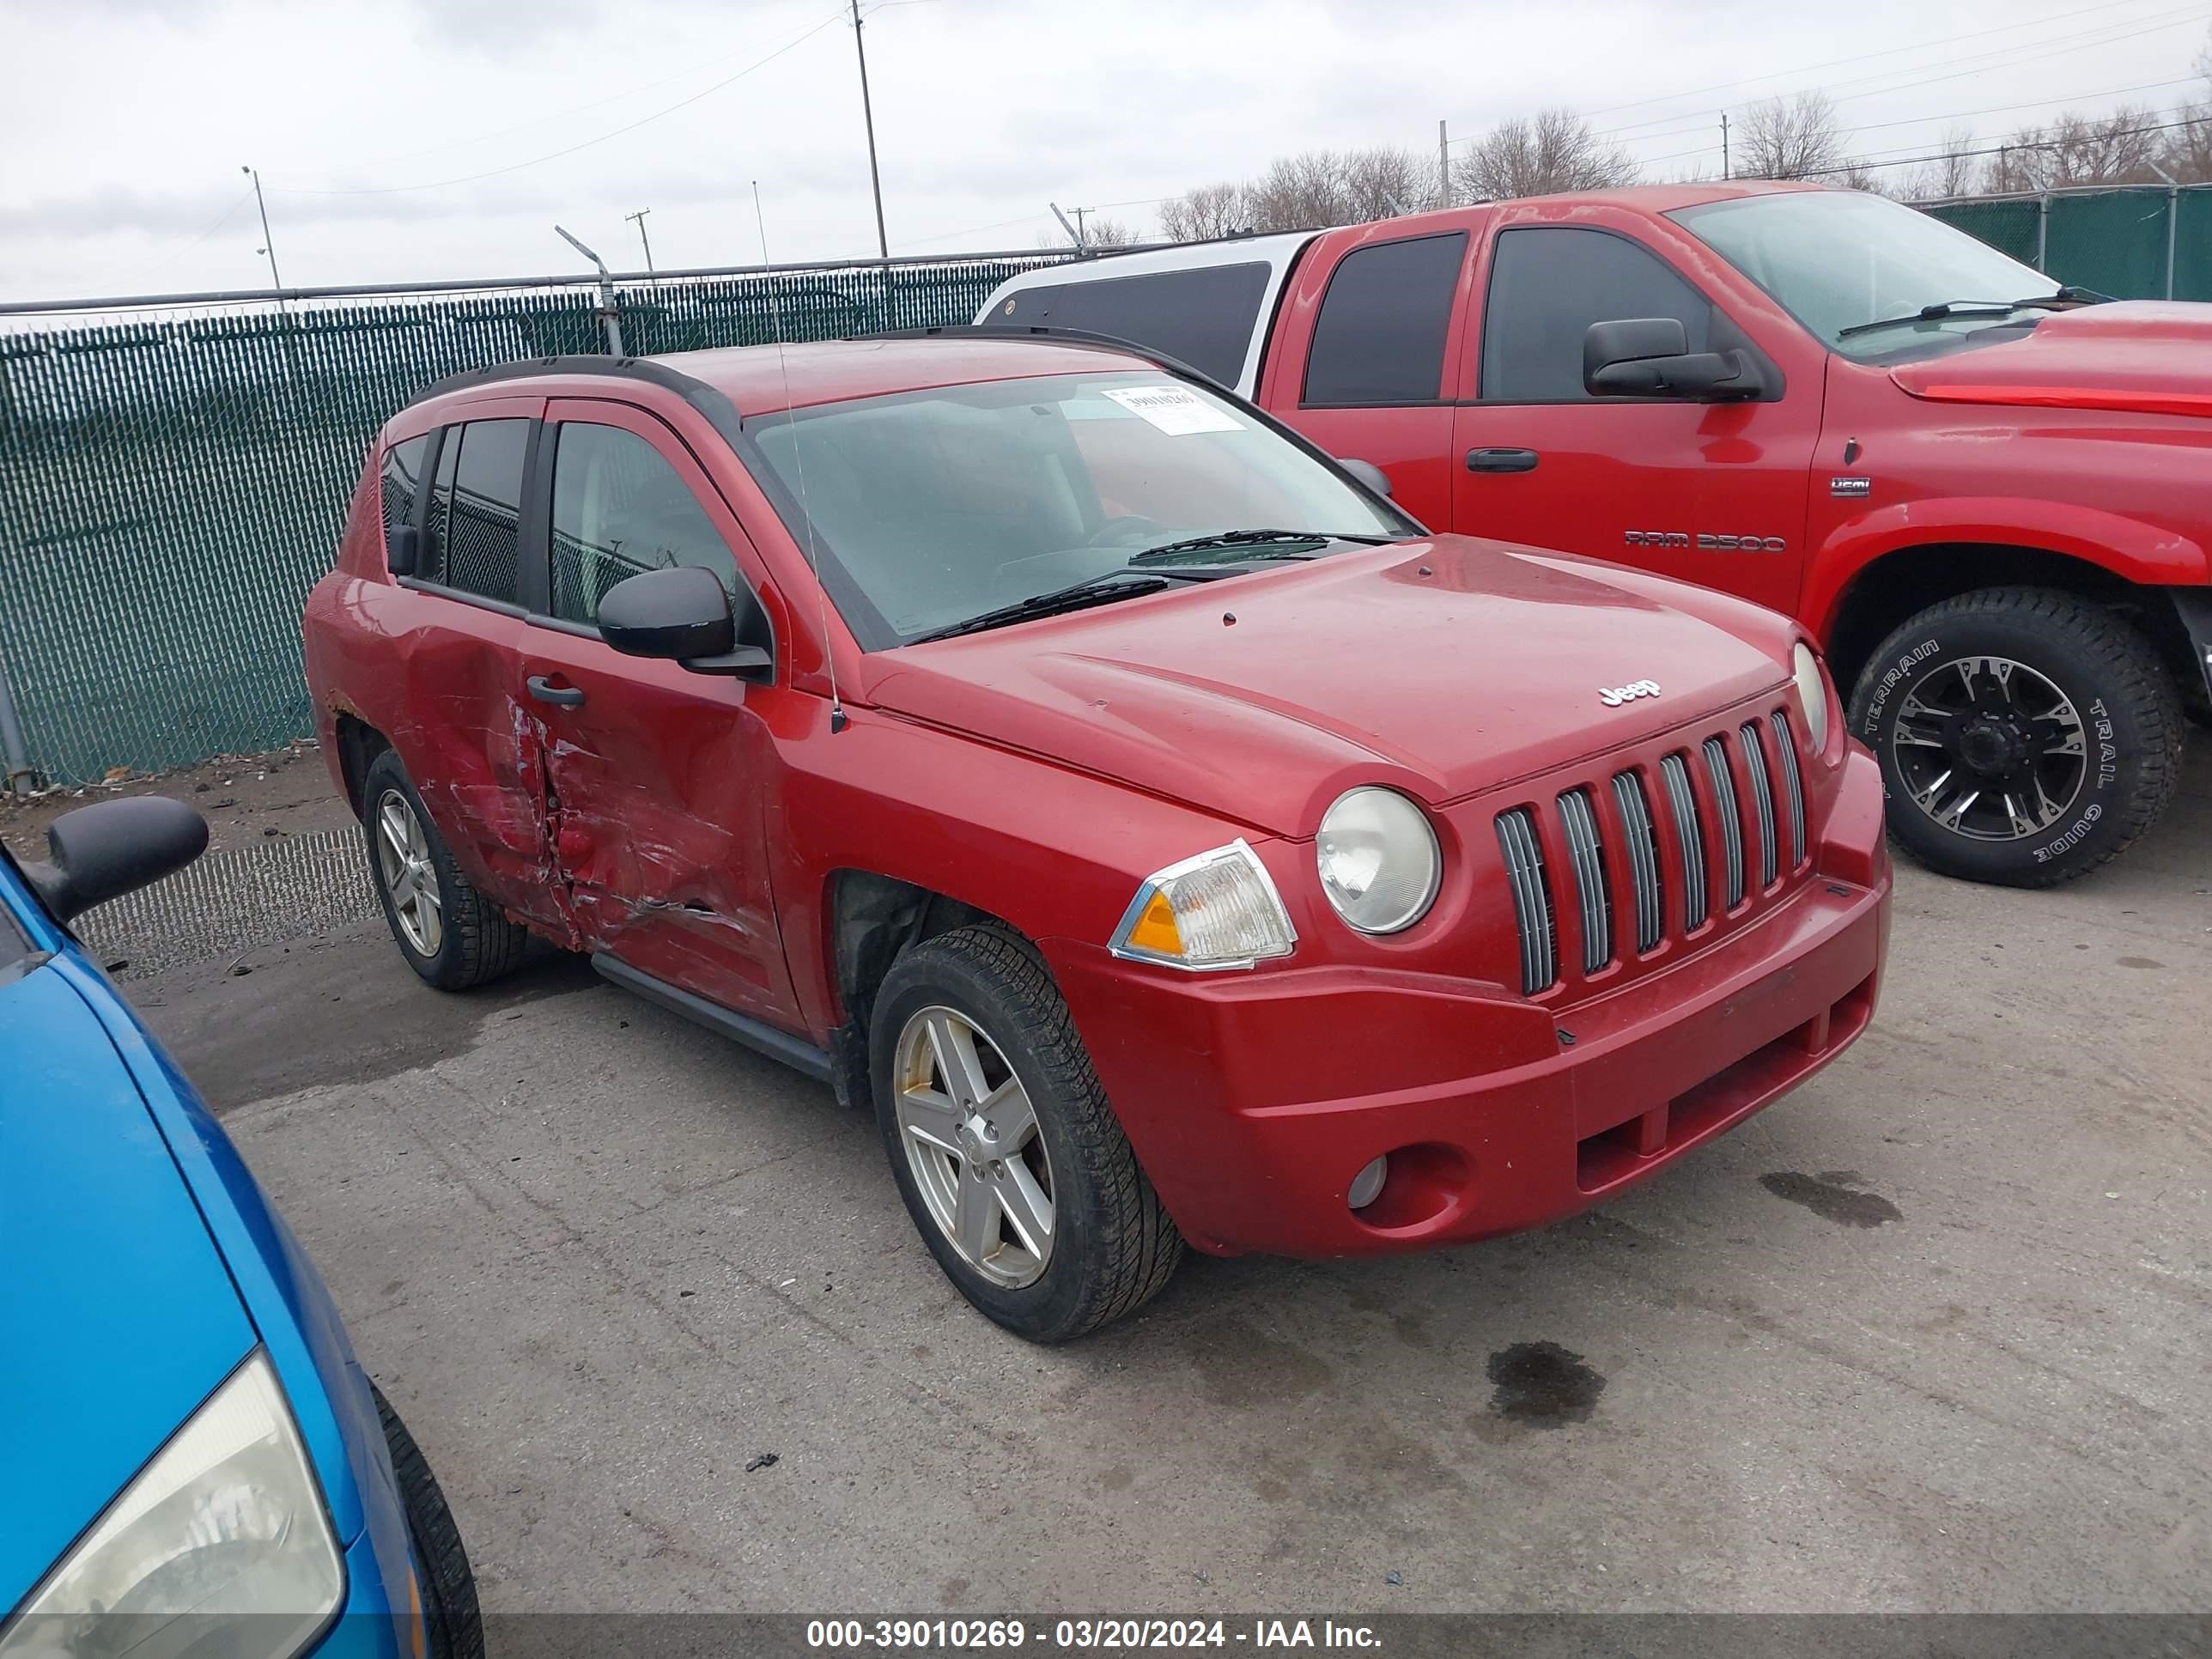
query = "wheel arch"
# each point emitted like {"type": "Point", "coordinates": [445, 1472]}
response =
{"type": "Point", "coordinates": [1898, 583]}
{"type": "Point", "coordinates": [359, 743]}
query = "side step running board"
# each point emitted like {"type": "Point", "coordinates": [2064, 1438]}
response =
{"type": "Point", "coordinates": [794, 1052]}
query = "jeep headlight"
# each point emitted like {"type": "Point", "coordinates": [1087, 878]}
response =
{"type": "Point", "coordinates": [1812, 694]}
{"type": "Point", "coordinates": [219, 1545]}
{"type": "Point", "coordinates": [1379, 861]}
{"type": "Point", "coordinates": [1218, 910]}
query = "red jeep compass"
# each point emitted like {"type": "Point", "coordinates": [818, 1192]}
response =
{"type": "Point", "coordinates": [1170, 838]}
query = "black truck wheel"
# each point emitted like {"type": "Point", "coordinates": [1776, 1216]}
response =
{"type": "Point", "coordinates": [450, 1614]}
{"type": "Point", "coordinates": [1010, 1160]}
{"type": "Point", "coordinates": [2026, 735]}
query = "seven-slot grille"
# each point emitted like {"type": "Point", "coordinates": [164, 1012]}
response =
{"type": "Point", "coordinates": [1603, 837]}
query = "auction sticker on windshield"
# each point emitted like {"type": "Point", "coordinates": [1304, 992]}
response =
{"type": "Point", "coordinates": [1175, 410]}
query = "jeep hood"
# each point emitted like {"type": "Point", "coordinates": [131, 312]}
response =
{"type": "Point", "coordinates": [2140, 357]}
{"type": "Point", "coordinates": [1444, 667]}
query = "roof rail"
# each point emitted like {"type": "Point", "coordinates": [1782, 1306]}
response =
{"type": "Point", "coordinates": [714, 404]}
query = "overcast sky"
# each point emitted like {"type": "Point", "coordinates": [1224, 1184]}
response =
{"type": "Point", "coordinates": [417, 139]}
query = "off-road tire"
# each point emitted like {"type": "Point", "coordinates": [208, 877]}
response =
{"type": "Point", "coordinates": [1114, 1245]}
{"type": "Point", "coordinates": [448, 1584]}
{"type": "Point", "coordinates": [2130, 714]}
{"type": "Point", "coordinates": [478, 943]}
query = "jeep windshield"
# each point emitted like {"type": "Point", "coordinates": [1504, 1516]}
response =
{"type": "Point", "coordinates": [1875, 280]}
{"type": "Point", "coordinates": [964, 507]}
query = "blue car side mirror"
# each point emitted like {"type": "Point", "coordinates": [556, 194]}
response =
{"type": "Point", "coordinates": [101, 851]}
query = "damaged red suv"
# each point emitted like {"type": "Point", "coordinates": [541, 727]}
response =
{"type": "Point", "coordinates": [1165, 835]}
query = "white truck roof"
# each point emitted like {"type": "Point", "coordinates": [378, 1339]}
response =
{"type": "Point", "coordinates": [1218, 327]}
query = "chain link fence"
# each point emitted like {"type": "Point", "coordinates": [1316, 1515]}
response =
{"type": "Point", "coordinates": [173, 480]}
{"type": "Point", "coordinates": [2134, 242]}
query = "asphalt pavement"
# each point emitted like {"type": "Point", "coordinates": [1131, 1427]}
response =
{"type": "Point", "coordinates": [1930, 1333]}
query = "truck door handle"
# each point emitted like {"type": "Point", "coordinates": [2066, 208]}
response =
{"type": "Point", "coordinates": [545, 691]}
{"type": "Point", "coordinates": [1501, 460]}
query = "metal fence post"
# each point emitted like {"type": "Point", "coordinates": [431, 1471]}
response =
{"type": "Point", "coordinates": [18, 777]}
{"type": "Point", "coordinates": [2042, 231]}
{"type": "Point", "coordinates": [2173, 224]}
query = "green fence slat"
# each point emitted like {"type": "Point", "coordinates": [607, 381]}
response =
{"type": "Point", "coordinates": [170, 488]}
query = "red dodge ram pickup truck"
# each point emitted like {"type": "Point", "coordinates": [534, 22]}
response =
{"type": "Point", "coordinates": [1169, 838]}
{"type": "Point", "coordinates": [1990, 500]}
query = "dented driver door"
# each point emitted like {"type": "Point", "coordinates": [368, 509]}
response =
{"type": "Point", "coordinates": [656, 778]}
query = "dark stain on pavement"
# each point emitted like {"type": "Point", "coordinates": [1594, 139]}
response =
{"type": "Point", "coordinates": [1242, 1366]}
{"type": "Point", "coordinates": [2141, 961]}
{"type": "Point", "coordinates": [1831, 1199]}
{"type": "Point", "coordinates": [1542, 1385]}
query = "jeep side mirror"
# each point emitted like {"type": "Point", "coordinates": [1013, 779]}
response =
{"type": "Point", "coordinates": [103, 851]}
{"type": "Point", "coordinates": [1368, 473]}
{"type": "Point", "coordinates": [1649, 357]}
{"type": "Point", "coordinates": [683, 615]}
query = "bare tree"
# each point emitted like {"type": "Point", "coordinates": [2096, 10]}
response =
{"type": "Point", "coordinates": [1207, 212]}
{"type": "Point", "coordinates": [1790, 138]}
{"type": "Point", "coordinates": [1552, 150]}
{"type": "Point", "coordinates": [1385, 182]}
{"type": "Point", "coordinates": [1953, 173]}
{"type": "Point", "coordinates": [1299, 191]}
{"type": "Point", "coordinates": [2187, 151]}
{"type": "Point", "coordinates": [1097, 233]}
{"type": "Point", "coordinates": [2114, 148]}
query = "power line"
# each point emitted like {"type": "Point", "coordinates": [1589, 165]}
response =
{"type": "Point", "coordinates": [2012, 26]}
{"type": "Point", "coordinates": [536, 161]}
{"type": "Point", "coordinates": [1998, 149]}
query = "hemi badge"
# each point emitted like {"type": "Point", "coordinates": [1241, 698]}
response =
{"type": "Point", "coordinates": [1852, 489]}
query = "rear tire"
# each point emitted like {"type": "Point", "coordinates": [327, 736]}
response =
{"type": "Point", "coordinates": [450, 933]}
{"type": "Point", "coordinates": [449, 1583]}
{"type": "Point", "coordinates": [1109, 1246]}
{"type": "Point", "coordinates": [2026, 735]}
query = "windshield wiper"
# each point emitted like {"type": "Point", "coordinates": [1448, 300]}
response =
{"type": "Point", "coordinates": [1936, 313]}
{"type": "Point", "coordinates": [1247, 543]}
{"type": "Point", "coordinates": [1103, 588]}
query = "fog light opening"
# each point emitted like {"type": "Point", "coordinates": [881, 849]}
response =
{"type": "Point", "coordinates": [1367, 1185]}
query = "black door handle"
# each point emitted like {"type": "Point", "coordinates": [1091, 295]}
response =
{"type": "Point", "coordinates": [1501, 460]}
{"type": "Point", "coordinates": [545, 691]}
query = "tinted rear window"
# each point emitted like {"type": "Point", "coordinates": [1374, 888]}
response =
{"type": "Point", "coordinates": [1380, 337]}
{"type": "Point", "coordinates": [478, 507]}
{"type": "Point", "coordinates": [402, 482]}
{"type": "Point", "coordinates": [1204, 318]}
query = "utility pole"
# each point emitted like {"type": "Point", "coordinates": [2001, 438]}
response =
{"type": "Point", "coordinates": [868, 116]}
{"type": "Point", "coordinates": [638, 219]}
{"type": "Point", "coordinates": [1443, 168]}
{"type": "Point", "coordinates": [1075, 230]}
{"type": "Point", "coordinates": [268, 242]}
{"type": "Point", "coordinates": [1725, 174]}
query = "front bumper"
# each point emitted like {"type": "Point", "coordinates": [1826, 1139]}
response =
{"type": "Point", "coordinates": [1252, 1100]}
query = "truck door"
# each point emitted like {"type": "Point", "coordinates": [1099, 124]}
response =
{"type": "Point", "coordinates": [1368, 360]}
{"type": "Point", "coordinates": [1714, 493]}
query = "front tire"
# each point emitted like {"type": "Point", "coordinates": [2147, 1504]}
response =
{"type": "Point", "coordinates": [2026, 735]}
{"type": "Point", "coordinates": [1008, 1156]}
{"type": "Point", "coordinates": [448, 1584]}
{"type": "Point", "coordinates": [450, 933]}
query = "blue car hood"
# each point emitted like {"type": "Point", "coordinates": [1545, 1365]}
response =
{"type": "Point", "coordinates": [116, 1315]}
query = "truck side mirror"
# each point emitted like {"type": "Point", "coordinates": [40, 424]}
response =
{"type": "Point", "coordinates": [1368, 473]}
{"type": "Point", "coordinates": [1649, 357]}
{"type": "Point", "coordinates": [103, 851]}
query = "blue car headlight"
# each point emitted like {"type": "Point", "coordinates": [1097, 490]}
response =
{"type": "Point", "coordinates": [224, 1531]}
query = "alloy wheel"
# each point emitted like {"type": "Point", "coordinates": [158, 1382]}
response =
{"type": "Point", "coordinates": [402, 860]}
{"type": "Point", "coordinates": [970, 1135]}
{"type": "Point", "coordinates": [1990, 748]}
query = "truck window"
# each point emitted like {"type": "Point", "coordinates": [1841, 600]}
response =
{"type": "Point", "coordinates": [402, 482]}
{"type": "Point", "coordinates": [1548, 285]}
{"type": "Point", "coordinates": [1380, 337]}
{"type": "Point", "coordinates": [1203, 317]}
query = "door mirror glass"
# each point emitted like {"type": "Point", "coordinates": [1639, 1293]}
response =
{"type": "Point", "coordinates": [682, 615]}
{"type": "Point", "coordinates": [101, 851]}
{"type": "Point", "coordinates": [1367, 473]}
